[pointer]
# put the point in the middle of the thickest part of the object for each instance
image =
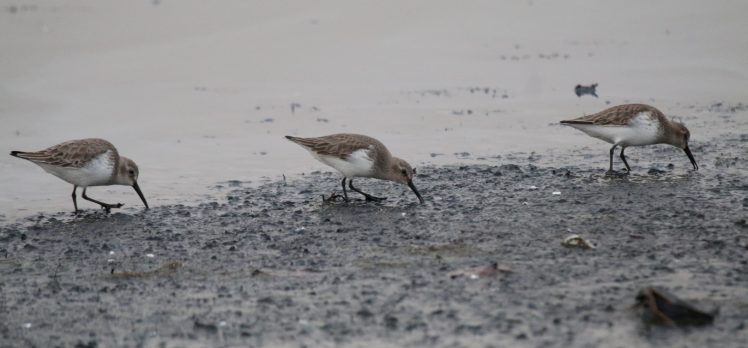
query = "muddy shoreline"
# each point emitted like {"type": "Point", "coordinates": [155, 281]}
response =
{"type": "Point", "coordinates": [201, 96]}
{"type": "Point", "coordinates": [274, 266]}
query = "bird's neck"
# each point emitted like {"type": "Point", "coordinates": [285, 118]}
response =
{"type": "Point", "coordinates": [671, 135]}
{"type": "Point", "coordinates": [388, 170]}
{"type": "Point", "coordinates": [119, 176]}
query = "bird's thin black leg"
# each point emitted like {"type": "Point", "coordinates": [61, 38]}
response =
{"type": "Point", "coordinates": [75, 198]}
{"type": "Point", "coordinates": [368, 196]}
{"type": "Point", "coordinates": [624, 159]}
{"type": "Point", "coordinates": [345, 194]}
{"type": "Point", "coordinates": [106, 206]}
{"type": "Point", "coordinates": [612, 151]}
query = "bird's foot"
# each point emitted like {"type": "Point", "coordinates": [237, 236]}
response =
{"type": "Point", "coordinates": [108, 207]}
{"type": "Point", "coordinates": [370, 198]}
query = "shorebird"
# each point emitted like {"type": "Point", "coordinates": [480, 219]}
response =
{"type": "Point", "coordinates": [633, 125]}
{"type": "Point", "coordinates": [84, 163]}
{"type": "Point", "coordinates": [356, 155]}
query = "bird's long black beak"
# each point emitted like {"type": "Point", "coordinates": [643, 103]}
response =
{"type": "Point", "coordinates": [415, 190]}
{"type": "Point", "coordinates": [140, 193]}
{"type": "Point", "coordinates": [690, 156]}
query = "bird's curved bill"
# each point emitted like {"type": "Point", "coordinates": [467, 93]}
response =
{"type": "Point", "coordinates": [415, 190]}
{"type": "Point", "coordinates": [690, 156]}
{"type": "Point", "coordinates": [140, 193]}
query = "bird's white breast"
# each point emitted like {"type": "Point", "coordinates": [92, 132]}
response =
{"type": "Point", "coordinates": [96, 172]}
{"type": "Point", "coordinates": [358, 163]}
{"type": "Point", "coordinates": [643, 129]}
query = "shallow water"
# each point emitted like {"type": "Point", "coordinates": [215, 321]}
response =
{"type": "Point", "coordinates": [199, 94]}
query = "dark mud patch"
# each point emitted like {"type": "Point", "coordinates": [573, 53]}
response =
{"type": "Point", "coordinates": [273, 265]}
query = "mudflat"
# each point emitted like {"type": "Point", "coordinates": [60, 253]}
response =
{"type": "Point", "coordinates": [273, 265]}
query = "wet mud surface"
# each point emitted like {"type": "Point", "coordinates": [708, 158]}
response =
{"type": "Point", "coordinates": [275, 266]}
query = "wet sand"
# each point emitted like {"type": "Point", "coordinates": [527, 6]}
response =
{"type": "Point", "coordinates": [275, 266]}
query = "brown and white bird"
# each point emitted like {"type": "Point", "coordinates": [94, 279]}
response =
{"type": "Point", "coordinates": [356, 155]}
{"type": "Point", "coordinates": [634, 125]}
{"type": "Point", "coordinates": [87, 162]}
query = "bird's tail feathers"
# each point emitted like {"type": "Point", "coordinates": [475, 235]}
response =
{"type": "Point", "coordinates": [575, 122]}
{"type": "Point", "coordinates": [306, 142]}
{"type": "Point", "coordinates": [31, 156]}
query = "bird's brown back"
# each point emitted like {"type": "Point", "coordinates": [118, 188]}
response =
{"type": "Point", "coordinates": [342, 145]}
{"type": "Point", "coordinates": [74, 153]}
{"type": "Point", "coordinates": [619, 115]}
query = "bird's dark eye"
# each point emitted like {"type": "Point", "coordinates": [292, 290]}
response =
{"type": "Point", "coordinates": [131, 172]}
{"type": "Point", "coordinates": [405, 172]}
